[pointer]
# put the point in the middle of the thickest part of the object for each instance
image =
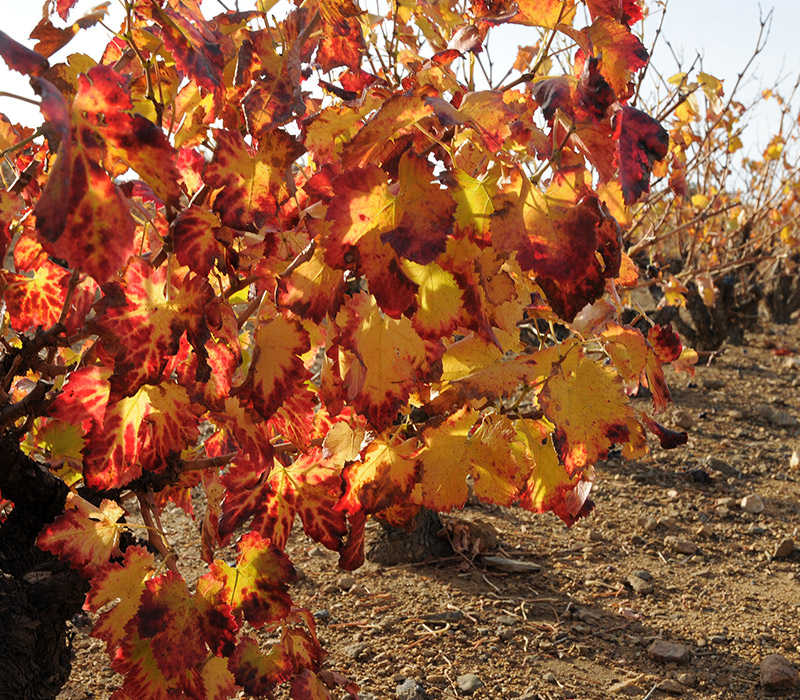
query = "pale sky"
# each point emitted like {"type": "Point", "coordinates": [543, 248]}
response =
{"type": "Point", "coordinates": [723, 32]}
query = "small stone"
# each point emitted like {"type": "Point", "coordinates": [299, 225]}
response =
{"type": "Point", "coordinates": [684, 420]}
{"type": "Point", "coordinates": [647, 523]}
{"type": "Point", "coordinates": [704, 531]}
{"type": "Point", "coordinates": [322, 615]}
{"type": "Point", "coordinates": [595, 535]}
{"type": "Point", "coordinates": [685, 679]}
{"type": "Point", "coordinates": [346, 582]}
{"type": "Point", "coordinates": [713, 384]}
{"type": "Point", "coordinates": [718, 639]}
{"type": "Point", "coordinates": [755, 529]}
{"type": "Point", "coordinates": [511, 566]}
{"type": "Point", "coordinates": [794, 460]}
{"type": "Point", "coordinates": [639, 585]}
{"type": "Point", "coordinates": [316, 552]}
{"type": "Point", "coordinates": [784, 549]}
{"type": "Point", "coordinates": [778, 674]}
{"type": "Point", "coordinates": [736, 414]}
{"type": "Point", "coordinates": [550, 677]}
{"type": "Point", "coordinates": [725, 502]}
{"type": "Point", "coordinates": [468, 683]}
{"type": "Point", "coordinates": [409, 689]}
{"type": "Point", "coordinates": [627, 686]}
{"type": "Point", "coordinates": [506, 620]}
{"type": "Point", "coordinates": [299, 572]}
{"type": "Point", "coordinates": [778, 418]}
{"type": "Point", "coordinates": [681, 546]}
{"type": "Point", "coordinates": [357, 651]}
{"type": "Point", "coordinates": [753, 503]}
{"type": "Point", "coordinates": [436, 679]}
{"type": "Point", "coordinates": [670, 686]}
{"type": "Point", "coordinates": [662, 650]}
{"type": "Point", "coordinates": [643, 573]}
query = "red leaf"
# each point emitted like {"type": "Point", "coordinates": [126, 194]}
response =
{"type": "Point", "coordinates": [642, 141]}
{"type": "Point", "coordinates": [342, 37]}
{"type": "Point", "coordinates": [276, 370]}
{"type": "Point", "coordinates": [21, 58]}
{"type": "Point", "coordinates": [251, 185]}
{"type": "Point", "coordinates": [182, 627]}
{"type": "Point", "coordinates": [257, 587]}
{"type": "Point", "coordinates": [669, 439]}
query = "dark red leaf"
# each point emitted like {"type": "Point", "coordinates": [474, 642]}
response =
{"type": "Point", "coordinates": [21, 58]}
{"type": "Point", "coordinates": [642, 141]}
{"type": "Point", "coordinates": [669, 439]}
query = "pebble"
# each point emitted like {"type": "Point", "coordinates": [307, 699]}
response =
{"type": "Point", "coordinates": [755, 529]}
{"type": "Point", "coordinates": [784, 549]}
{"type": "Point", "coordinates": [753, 503]}
{"type": "Point", "coordinates": [550, 677]}
{"type": "Point", "coordinates": [506, 620]}
{"type": "Point", "coordinates": [662, 650]}
{"type": "Point", "coordinates": [346, 582]}
{"type": "Point", "coordinates": [777, 673]}
{"type": "Point", "coordinates": [647, 523]}
{"type": "Point", "coordinates": [409, 689]}
{"type": "Point", "coordinates": [686, 679]}
{"type": "Point", "coordinates": [468, 683]}
{"type": "Point", "coordinates": [684, 420]}
{"type": "Point", "coordinates": [676, 544]}
{"type": "Point", "coordinates": [640, 585]}
{"type": "Point", "coordinates": [668, 685]}
{"type": "Point", "coordinates": [358, 650]}
{"type": "Point", "coordinates": [778, 418]}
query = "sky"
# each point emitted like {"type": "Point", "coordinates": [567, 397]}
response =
{"type": "Point", "coordinates": [722, 32]}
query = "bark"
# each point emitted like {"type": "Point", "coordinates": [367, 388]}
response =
{"type": "Point", "coordinates": [38, 593]}
{"type": "Point", "coordinates": [422, 542]}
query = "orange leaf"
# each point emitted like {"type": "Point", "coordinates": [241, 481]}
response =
{"type": "Point", "coordinates": [85, 535]}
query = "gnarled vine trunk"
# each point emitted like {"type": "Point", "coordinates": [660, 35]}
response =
{"type": "Point", "coordinates": [38, 593]}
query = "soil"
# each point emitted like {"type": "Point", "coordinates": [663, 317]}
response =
{"type": "Point", "coordinates": [583, 624]}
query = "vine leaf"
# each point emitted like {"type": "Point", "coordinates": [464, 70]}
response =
{"type": "Point", "coordinates": [181, 627]}
{"type": "Point", "coordinates": [386, 475]}
{"type": "Point", "coordinates": [85, 536]}
{"type": "Point", "coordinates": [257, 586]}
{"type": "Point", "coordinates": [122, 584]}
{"type": "Point", "coordinates": [642, 141]}
{"type": "Point", "coordinates": [141, 322]}
{"type": "Point", "coordinates": [386, 359]}
{"type": "Point", "coordinates": [587, 424]}
{"type": "Point", "coordinates": [276, 369]}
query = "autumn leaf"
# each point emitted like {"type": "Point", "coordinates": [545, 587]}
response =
{"type": "Point", "coordinates": [258, 673]}
{"type": "Point", "coordinates": [85, 536]}
{"type": "Point", "coordinates": [36, 300]}
{"type": "Point", "coordinates": [251, 184]}
{"type": "Point", "coordinates": [20, 58]}
{"type": "Point", "coordinates": [426, 213]}
{"type": "Point", "coordinates": [384, 476]}
{"type": "Point", "coordinates": [587, 424]}
{"type": "Point", "coordinates": [142, 321]}
{"type": "Point", "coordinates": [257, 586]}
{"type": "Point", "coordinates": [182, 627]}
{"type": "Point", "coordinates": [386, 360]}
{"type": "Point", "coordinates": [642, 141]}
{"type": "Point", "coordinates": [122, 584]}
{"type": "Point", "coordinates": [276, 369]}
{"type": "Point", "coordinates": [342, 38]}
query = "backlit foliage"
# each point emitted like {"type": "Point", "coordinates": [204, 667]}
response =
{"type": "Point", "coordinates": [308, 267]}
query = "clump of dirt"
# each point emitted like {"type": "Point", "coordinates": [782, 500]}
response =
{"type": "Point", "coordinates": [683, 580]}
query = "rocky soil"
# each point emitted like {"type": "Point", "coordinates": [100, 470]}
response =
{"type": "Point", "coordinates": [684, 582]}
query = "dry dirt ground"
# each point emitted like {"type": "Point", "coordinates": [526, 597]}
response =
{"type": "Point", "coordinates": [670, 553]}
